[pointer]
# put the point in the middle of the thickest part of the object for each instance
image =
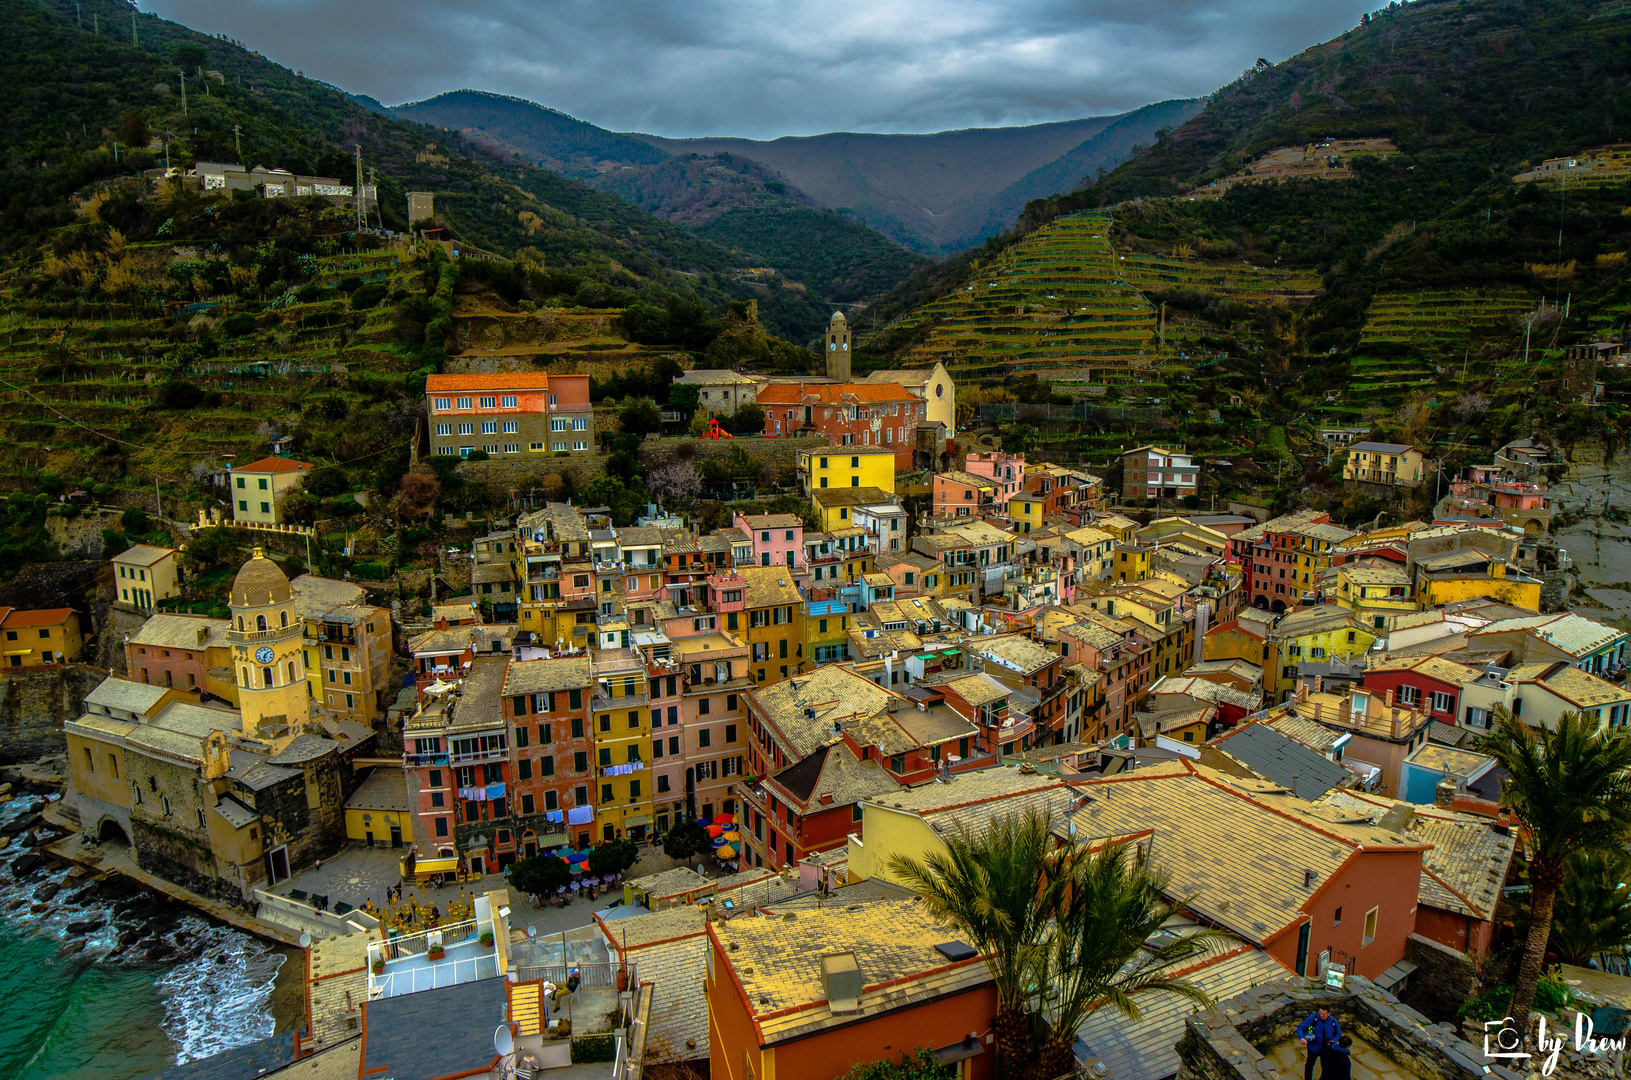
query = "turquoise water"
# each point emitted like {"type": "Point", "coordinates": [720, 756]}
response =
{"type": "Point", "coordinates": [108, 1013]}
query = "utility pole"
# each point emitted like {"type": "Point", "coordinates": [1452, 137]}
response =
{"type": "Point", "coordinates": [79, 18]}
{"type": "Point", "coordinates": [360, 222]}
{"type": "Point", "coordinates": [96, 23]}
{"type": "Point", "coordinates": [183, 75]}
{"type": "Point", "coordinates": [133, 39]}
{"type": "Point", "coordinates": [237, 142]}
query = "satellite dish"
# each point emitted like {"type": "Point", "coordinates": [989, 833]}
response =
{"type": "Point", "coordinates": [532, 931]}
{"type": "Point", "coordinates": [503, 1042]}
{"type": "Point", "coordinates": [305, 941]}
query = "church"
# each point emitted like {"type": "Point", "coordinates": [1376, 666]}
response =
{"type": "Point", "coordinates": [221, 801]}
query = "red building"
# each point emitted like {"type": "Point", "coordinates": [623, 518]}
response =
{"type": "Point", "coordinates": [1431, 684]}
{"type": "Point", "coordinates": [546, 703]}
{"type": "Point", "coordinates": [848, 414]}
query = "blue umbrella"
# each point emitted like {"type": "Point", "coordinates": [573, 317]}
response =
{"type": "Point", "coordinates": [705, 821]}
{"type": "Point", "coordinates": [720, 841]}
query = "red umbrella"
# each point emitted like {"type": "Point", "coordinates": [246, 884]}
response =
{"type": "Point", "coordinates": [724, 819]}
{"type": "Point", "coordinates": [715, 830]}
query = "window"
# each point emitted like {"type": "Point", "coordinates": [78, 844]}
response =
{"type": "Point", "coordinates": [527, 805]}
{"type": "Point", "coordinates": [1337, 921]}
{"type": "Point", "coordinates": [444, 429]}
{"type": "Point", "coordinates": [705, 738]}
{"type": "Point", "coordinates": [560, 424]}
{"type": "Point", "coordinates": [662, 784]}
{"type": "Point", "coordinates": [580, 762]}
{"type": "Point", "coordinates": [441, 826]}
{"type": "Point", "coordinates": [511, 427]}
{"type": "Point", "coordinates": [523, 769]}
{"type": "Point", "coordinates": [507, 401]}
{"type": "Point", "coordinates": [605, 794]}
{"type": "Point", "coordinates": [441, 404]}
{"type": "Point", "coordinates": [546, 766]}
{"type": "Point", "coordinates": [467, 429]}
{"type": "Point", "coordinates": [1370, 927]}
{"type": "Point", "coordinates": [489, 402]}
{"type": "Point", "coordinates": [1409, 695]}
{"type": "Point", "coordinates": [489, 427]}
{"type": "Point", "coordinates": [1442, 702]}
{"type": "Point", "coordinates": [464, 403]}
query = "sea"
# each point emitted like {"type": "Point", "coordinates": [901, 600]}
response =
{"type": "Point", "coordinates": [181, 988]}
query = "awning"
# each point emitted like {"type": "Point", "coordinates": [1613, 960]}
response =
{"type": "Point", "coordinates": [435, 866]}
{"type": "Point", "coordinates": [951, 652]}
{"type": "Point", "coordinates": [640, 819]}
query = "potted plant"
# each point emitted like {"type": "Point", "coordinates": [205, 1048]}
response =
{"type": "Point", "coordinates": [435, 953]}
{"type": "Point", "coordinates": [487, 939]}
{"type": "Point", "coordinates": [379, 966]}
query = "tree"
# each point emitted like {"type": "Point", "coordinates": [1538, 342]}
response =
{"type": "Point", "coordinates": [683, 399]}
{"type": "Point", "coordinates": [996, 887]}
{"type": "Point", "coordinates": [920, 1064]}
{"type": "Point", "coordinates": [134, 521]}
{"type": "Point", "coordinates": [640, 417]}
{"type": "Point", "coordinates": [540, 875]}
{"type": "Point", "coordinates": [613, 857]}
{"type": "Point", "coordinates": [748, 419]}
{"type": "Point", "coordinates": [612, 493]}
{"type": "Point", "coordinates": [416, 496]}
{"type": "Point", "coordinates": [674, 480]}
{"type": "Point", "coordinates": [1101, 953]}
{"type": "Point", "coordinates": [686, 840]}
{"type": "Point", "coordinates": [1592, 914]}
{"type": "Point", "coordinates": [1019, 438]}
{"type": "Point", "coordinates": [1570, 789]}
{"type": "Point", "coordinates": [190, 57]}
{"type": "Point", "coordinates": [133, 130]}
{"type": "Point", "coordinates": [326, 482]}
{"type": "Point", "coordinates": [300, 507]}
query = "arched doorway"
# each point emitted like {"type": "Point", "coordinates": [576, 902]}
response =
{"type": "Point", "coordinates": [1278, 607]}
{"type": "Point", "coordinates": [110, 829]}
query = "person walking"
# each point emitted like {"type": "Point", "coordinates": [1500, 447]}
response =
{"type": "Point", "coordinates": [1336, 1062]}
{"type": "Point", "coordinates": [1320, 1031]}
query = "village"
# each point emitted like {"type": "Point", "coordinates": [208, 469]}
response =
{"type": "Point", "coordinates": [615, 770]}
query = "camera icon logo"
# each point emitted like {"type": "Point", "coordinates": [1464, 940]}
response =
{"type": "Point", "coordinates": [1508, 1041]}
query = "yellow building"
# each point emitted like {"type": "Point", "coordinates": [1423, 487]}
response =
{"type": "Point", "coordinates": [774, 617]}
{"type": "Point", "coordinates": [835, 506]}
{"type": "Point", "coordinates": [1375, 590]}
{"type": "Point", "coordinates": [266, 640]}
{"type": "Point", "coordinates": [914, 822]}
{"type": "Point", "coordinates": [621, 707]}
{"type": "Point", "coordinates": [377, 812]}
{"type": "Point", "coordinates": [1025, 511]}
{"type": "Point", "coordinates": [39, 638]}
{"type": "Point", "coordinates": [826, 631]}
{"type": "Point", "coordinates": [1319, 634]}
{"type": "Point", "coordinates": [96, 745]}
{"type": "Point", "coordinates": [846, 467]}
{"type": "Point", "coordinates": [1472, 575]}
{"type": "Point", "coordinates": [1132, 562]}
{"type": "Point", "coordinates": [145, 576]}
{"type": "Point", "coordinates": [259, 487]}
{"type": "Point", "coordinates": [1383, 463]}
{"type": "Point", "coordinates": [1124, 529]}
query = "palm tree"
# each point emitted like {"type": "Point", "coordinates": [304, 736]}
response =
{"type": "Point", "coordinates": [1592, 914]}
{"type": "Point", "coordinates": [1000, 888]}
{"type": "Point", "coordinates": [1570, 789]}
{"type": "Point", "coordinates": [1108, 949]}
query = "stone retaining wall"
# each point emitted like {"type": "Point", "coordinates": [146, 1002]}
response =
{"type": "Point", "coordinates": [1225, 1043]}
{"type": "Point", "coordinates": [35, 704]}
{"type": "Point", "coordinates": [1442, 980]}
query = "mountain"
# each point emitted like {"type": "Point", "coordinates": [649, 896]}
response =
{"type": "Point", "coordinates": [943, 192]}
{"type": "Point", "coordinates": [745, 205]}
{"type": "Point", "coordinates": [545, 137]}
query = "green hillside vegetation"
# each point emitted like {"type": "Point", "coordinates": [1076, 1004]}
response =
{"type": "Point", "coordinates": [545, 137]}
{"type": "Point", "coordinates": [1425, 295]}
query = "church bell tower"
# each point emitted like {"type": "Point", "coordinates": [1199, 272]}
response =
{"type": "Point", "coordinates": [838, 348]}
{"type": "Point", "coordinates": [267, 655]}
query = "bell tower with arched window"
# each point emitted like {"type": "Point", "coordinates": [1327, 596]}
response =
{"type": "Point", "coordinates": [838, 366]}
{"type": "Point", "coordinates": [270, 664]}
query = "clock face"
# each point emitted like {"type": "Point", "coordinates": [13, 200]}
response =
{"type": "Point", "coordinates": [263, 655]}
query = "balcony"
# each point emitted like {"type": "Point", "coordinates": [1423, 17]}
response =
{"type": "Point", "coordinates": [478, 756]}
{"type": "Point", "coordinates": [255, 637]}
{"type": "Point", "coordinates": [424, 759]}
{"type": "Point", "coordinates": [402, 965]}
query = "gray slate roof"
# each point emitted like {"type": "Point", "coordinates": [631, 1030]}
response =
{"type": "Point", "coordinates": [1275, 756]}
{"type": "Point", "coordinates": [444, 1032]}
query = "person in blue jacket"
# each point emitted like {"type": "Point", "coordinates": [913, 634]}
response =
{"type": "Point", "coordinates": [1336, 1063]}
{"type": "Point", "coordinates": [1319, 1033]}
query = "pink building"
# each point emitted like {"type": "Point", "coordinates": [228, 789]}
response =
{"type": "Point", "coordinates": [778, 539]}
{"type": "Point", "coordinates": [170, 650]}
{"type": "Point", "coordinates": [1007, 471]}
{"type": "Point", "coordinates": [714, 719]}
{"type": "Point", "coordinates": [667, 726]}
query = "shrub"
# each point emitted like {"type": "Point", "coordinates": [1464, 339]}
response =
{"type": "Point", "coordinates": [367, 297]}
{"type": "Point", "coordinates": [368, 571]}
{"type": "Point", "coordinates": [238, 325]}
{"type": "Point", "coordinates": [593, 1048]}
{"type": "Point", "coordinates": [1551, 994]}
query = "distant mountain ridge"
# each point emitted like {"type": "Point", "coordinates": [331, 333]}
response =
{"type": "Point", "coordinates": [934, 194]}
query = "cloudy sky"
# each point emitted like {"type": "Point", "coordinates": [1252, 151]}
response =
{"type": "Point", "coordinates": [763, 68]}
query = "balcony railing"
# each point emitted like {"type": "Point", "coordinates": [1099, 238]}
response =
{"type": "Point", "coordinates": [424, 759]}
{"type": "Point", "coordinates": [473, 757]}
{"type": "Point", "coordinates": [281, 633]}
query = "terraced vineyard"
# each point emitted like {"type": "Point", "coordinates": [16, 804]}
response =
{"type": "Point", "coordinates": [1065, 302]}
{"type": "Point", "coordinates": [81, 381]}
{"type": "Point", "coordinates": [1418, 341]}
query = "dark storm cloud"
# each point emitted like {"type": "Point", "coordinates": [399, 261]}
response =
{"type": "Point", "coordinates": [763, 68]}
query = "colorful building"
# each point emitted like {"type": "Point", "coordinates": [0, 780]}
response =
{"type": "Point", "coordinates": [509, 414]}
{"type": "Point", "coordinates": [855, 467]}
{"type": "Point", "coordinates": [44, 638]}
{"type": "Point", "coordinates": [846, 414]}
{"type": "Point", "coordinates": [259, 488]}
{"type": "Point", "coordinates": [145, 576]}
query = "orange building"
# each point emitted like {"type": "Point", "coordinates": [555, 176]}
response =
{"type": "Point", "coordinates": [848, 414]}
{"type": "Point", "coordinates": [806, 998]}
{"type": "Point", "coordinates": [509, 414]}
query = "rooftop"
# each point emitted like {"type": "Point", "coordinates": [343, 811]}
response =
{"type": "Point", "coordinates": [778, 964]}
{"type": "Point", "coordinates": [143, 555]}
{"type": "Point", "coordinates": [507, 380]}
{"type": "Point", "coordinates": [1276, 756]}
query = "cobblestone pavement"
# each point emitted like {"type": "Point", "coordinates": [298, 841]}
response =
{"type": "Point", "coordinates": [362, 873]}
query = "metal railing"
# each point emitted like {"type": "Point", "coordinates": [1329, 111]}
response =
{"type": "Point", "coordinates": [591, 975]}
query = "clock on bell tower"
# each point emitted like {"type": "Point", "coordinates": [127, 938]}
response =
{"type": "Point", "coordinates": [268, 661]}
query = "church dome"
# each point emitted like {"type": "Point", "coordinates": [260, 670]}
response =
{"type": "Point", "coordinates": [259, 582]}
{"type": "Point", "coordinates": [838, 317]}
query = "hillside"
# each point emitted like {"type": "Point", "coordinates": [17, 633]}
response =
{"type": "Point", "coordinates": [746, 206]}
{"type": "Point", "coordinates": [545, 137]}
{"type": "Point", "coordinates": [943, 192]}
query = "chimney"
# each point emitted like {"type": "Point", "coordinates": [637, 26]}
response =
{"type": "Point", "coordinates": [841, 979]}
{"type": "Point", "coordinates": [1444, 794]}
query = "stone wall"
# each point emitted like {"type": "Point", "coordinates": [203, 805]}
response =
{"type": "Point", "coordinates": [1443, 978]}
{"type": "Point", "coordinates": [503, 474]}
{"type": "Point", "coordinates": [1227, 1042]}
{"type": "Point", "coordinates": [35, 704]}
{"type": "Point", "coordinates": [178, 858]}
